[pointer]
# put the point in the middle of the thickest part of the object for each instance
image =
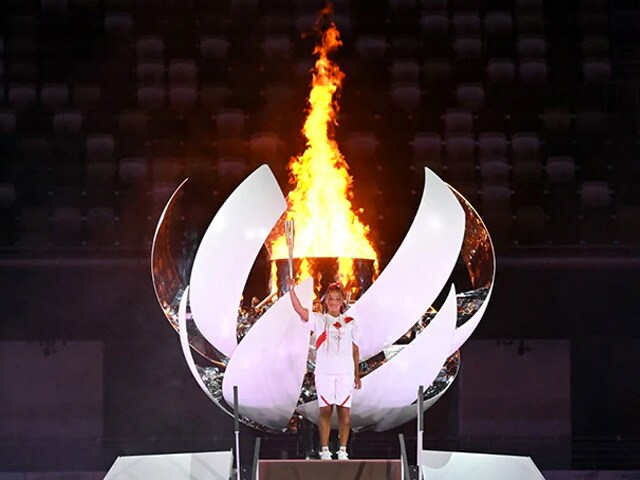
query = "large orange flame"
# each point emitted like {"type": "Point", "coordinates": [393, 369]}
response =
{"type": "Point", "coordinates": [320, 203]}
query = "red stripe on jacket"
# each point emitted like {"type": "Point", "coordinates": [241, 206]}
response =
{"type": "Point", "coordinates": [321, 338]}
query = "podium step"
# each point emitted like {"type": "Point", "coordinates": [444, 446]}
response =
{"type": "Point", "coordinates": [330, 470]}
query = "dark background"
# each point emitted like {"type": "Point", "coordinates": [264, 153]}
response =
{"type": "Point", "coordinates": [89, 367]}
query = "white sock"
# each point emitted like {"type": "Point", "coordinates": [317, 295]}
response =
{"type": "Point", "coordinates": [343, 448]}
{"type": "Point", "coordinates": [325, 449]}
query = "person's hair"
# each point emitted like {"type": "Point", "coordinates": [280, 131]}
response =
{"type": "Point", "coordinates": [334, 287]}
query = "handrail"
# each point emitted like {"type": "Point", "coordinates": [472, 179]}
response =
{"type": "Point", "coordinates": [256, 455]}
{"type": "Point", "coordinates": [405, 460]}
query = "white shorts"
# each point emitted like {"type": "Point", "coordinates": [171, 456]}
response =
{"type": "Point", "coordinates": [334, 389]}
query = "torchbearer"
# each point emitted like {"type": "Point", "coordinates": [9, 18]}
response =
{"type": "Point", "coordinates": [337, 363]}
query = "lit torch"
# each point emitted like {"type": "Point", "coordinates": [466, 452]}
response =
{"type": "Point", "coordinates": [290, 233]}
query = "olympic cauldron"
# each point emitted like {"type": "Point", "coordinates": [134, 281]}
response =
{"type": "Point", "coordinates": [413, 319]}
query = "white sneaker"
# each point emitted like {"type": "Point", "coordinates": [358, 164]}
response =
{"type": "Point", "coordinates": [343, 455]}
{"type": "Point", "coordinates": [325, 455]}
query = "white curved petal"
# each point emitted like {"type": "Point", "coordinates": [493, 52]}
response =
{"type": "Point", "coordinates": [416, 274]}
{"type": "Point", "coordinates": [184, 343]}
{"type": "Point", "coordinates": [399, 416]}
{"type": "Point", "coordinates": [442, 465]}
{"type": "Point", "coordinates": [227, 253]}
{"type": "Point", "coordinates": [394, 385]}
{"type": "Point", "coordinates": [269, 364]}
{"type": "Point", "coordinates": [416, 364]}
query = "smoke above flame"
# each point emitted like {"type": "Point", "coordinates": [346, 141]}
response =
{"type": "Point", "coordinates": [320, 204]}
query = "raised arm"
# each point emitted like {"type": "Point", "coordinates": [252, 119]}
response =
{"type": "Point", "coordinates": [295, 301]}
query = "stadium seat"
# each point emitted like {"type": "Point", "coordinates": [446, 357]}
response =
{"type": "Point", "coordinates": [467, 48]}
{"type": "Point", "coordinates": [371, 47]}
{"type": "Point", "coordinates": [560, 169]}
{"type": "Point", "coordinates": [501, 71]}
{"type": "Point", "coordinates": [458, 121]}
{"type": "Point", "coordinates": [492, 145]}
{"type": "Point", "coordinates": [7, 195]}
{"type": "Point", "coordinates": [151, 97]}
{"type": "Point", "coordinates": [54, 96]}
{"type": "Point", "coordinates": [182, 98]}
{"type": "Point", "coordinates": [460, 147]}
{"type": "Point", "coordinates": [405, 70]}
{"type": "Point", "coordinates": [405, 96]}
{"type": "Point", "coordinates": [427, 146]}
{"type": "Point", "coordinates": [435, 24]}
{"type": "Point", "coordinates": [183, 72]}
{"type": "Point", "coordinates": [277, 48]}
{"type": "Point", "coordinates": [596, 71]}
{"type": "Point", "coordinates": [556, 119]}
{"type": "Point", "coordinates": [532, 72]}
{"type": "Point", "coordinates": [361, 147]}
{"type": "Point", "coordinates": [118, 25]}
{"type": "Point", "coordinates": [8, 121]}
{"type": "Point", "coordinates": [466, 23]}
{"type": "Point", "coordinates": [150, 47]}
{"type": "Point", "coordinates": [230, 122]}
{"type": "Point", "coordinates": [133, 170]}
{"type": "Point", "coordinates": [214, 48]}
{"type": "Point", "coordinates": [67, 123]}
{"type": "Point", "coordinates": [231, 171]}
{"type": "Point", "coordinates": [100, 146]}
{"type": "Point", "coordinates": [494, 172]}
{"type": "Point", "coordinates": [470, 96]}
{"type": "Point", "coordinates": [498, 24]}
{"type": "Point", "coordinates": [531, 47]}
{"type": "Point", "coordinates": [525, 146]}
{"type": "Point", "coordinates": [264, 147]}
{"type": "Point", "coordinates": [22, 96]}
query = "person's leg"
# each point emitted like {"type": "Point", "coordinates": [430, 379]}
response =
{"type": "Point", "coordinates": [344, 391]}
{"type": "Point", "coordinates": [324, 425]}
{"type": "Point", "coordinates": [344, 425]}
{"type": "Point", "coordinates": [325, 385]}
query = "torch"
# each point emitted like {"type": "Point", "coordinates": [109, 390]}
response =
{"type": "Point", "coordinates": [290, 233]}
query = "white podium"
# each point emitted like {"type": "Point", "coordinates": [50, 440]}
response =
{"type": "Point", "coordinates": [175, 466]}
{"type": "Point", "coordinates": [437, 465]}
